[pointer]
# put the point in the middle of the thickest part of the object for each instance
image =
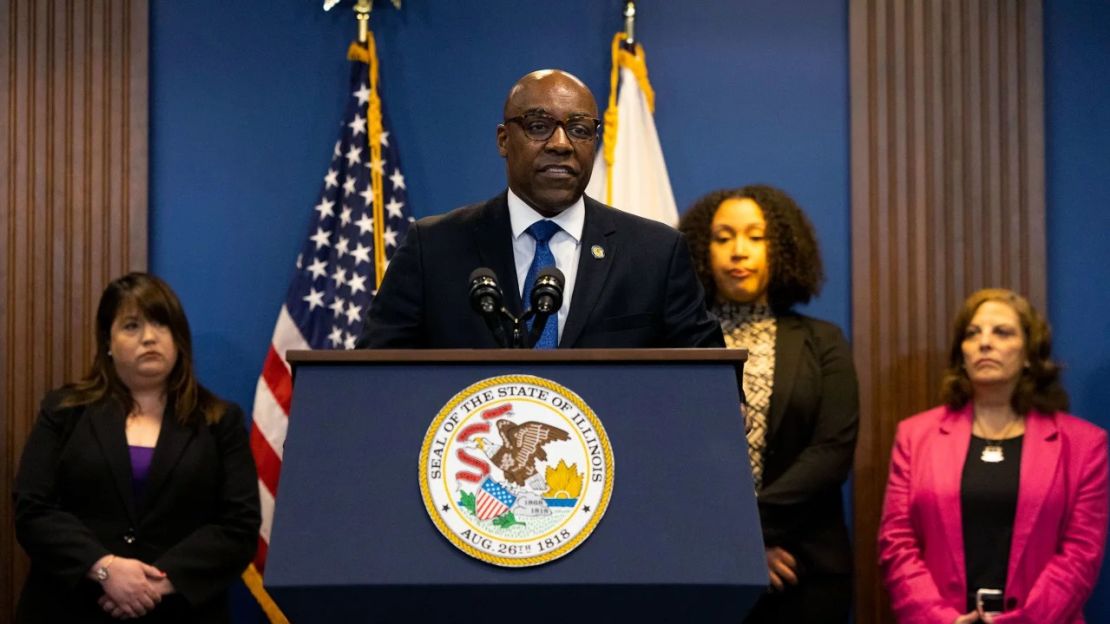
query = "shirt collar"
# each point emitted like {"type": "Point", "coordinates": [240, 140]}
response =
{"type": "Point", "coordinates": [522, 216]}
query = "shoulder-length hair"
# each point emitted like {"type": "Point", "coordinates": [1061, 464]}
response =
{"type": "Point", "coordinates": [156, 301]}
{"type": "Point", "coordinates": [793, 255]}
{"type": "Point", "coordinates": [1039, 386]}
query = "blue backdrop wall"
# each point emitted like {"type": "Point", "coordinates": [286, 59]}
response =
{"type": "Point", "coordinates": [245, 103]}
{"type": "Point", "coordinates": [1077, 124]}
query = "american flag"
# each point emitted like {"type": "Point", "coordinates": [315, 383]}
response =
{"type": "Point", "coordinates": [493, 500]}
{"type": "Point", "coordinates": [360, 217]}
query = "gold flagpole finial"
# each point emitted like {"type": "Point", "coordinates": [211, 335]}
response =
{"type": "Point", "coordinates": [362, 14]}
{"type": "Point", "coordinates": [630, 23]}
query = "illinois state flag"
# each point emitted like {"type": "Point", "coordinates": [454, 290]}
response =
{"type": "Point", "coordinates": [631, 174]}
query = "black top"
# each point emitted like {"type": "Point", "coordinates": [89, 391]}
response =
{"type": "Point", "coordinates": [988, 502]}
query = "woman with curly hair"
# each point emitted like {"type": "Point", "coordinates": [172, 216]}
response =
{"type": "Point", "coordinates": [757, 256]}
{"type": "Point", "coordinates": [996, 506]}
{"type": "Point", "coordinates": [136, 495]}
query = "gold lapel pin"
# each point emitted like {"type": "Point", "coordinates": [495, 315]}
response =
{"type": "Point", "coordinates": [597, 251]}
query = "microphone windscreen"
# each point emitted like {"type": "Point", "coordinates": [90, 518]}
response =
{"type": "Point", "coordinates": [482, 272]}
{"type": "Point", "coordinates": [553, 273]}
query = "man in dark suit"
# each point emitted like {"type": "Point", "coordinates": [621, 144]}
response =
{"type": "Point", "coordinates": [629, 280]}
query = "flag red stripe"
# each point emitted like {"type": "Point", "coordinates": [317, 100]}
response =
{"type": "Point", "coordinates": [278, 379]}
{"type": "Point", "coordinates": [260, 556]}
{"type": "Point", "coordinates": [268, 462]}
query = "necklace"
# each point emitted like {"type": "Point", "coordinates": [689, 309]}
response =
{"type": "Point", "coordinates": [992, 452]}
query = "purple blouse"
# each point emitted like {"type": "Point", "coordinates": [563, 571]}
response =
{"type": "Point", "coordinates": [140, 467]}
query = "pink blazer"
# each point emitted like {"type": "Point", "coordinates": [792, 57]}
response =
{"type": "Point", "coordinates": [1059, 529]}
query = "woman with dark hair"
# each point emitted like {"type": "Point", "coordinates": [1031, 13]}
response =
{"type": "Point", "coordinates": [996, 506]}
{"type": "Point", "coordinates": [757, 256]}
{"type": "Point", "coordinates": [136, 495]}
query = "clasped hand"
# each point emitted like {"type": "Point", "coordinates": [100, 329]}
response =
{"type": "Point", "coordinates": [133, 588]}
{"type": "Point", "coordinates": [782, 567]}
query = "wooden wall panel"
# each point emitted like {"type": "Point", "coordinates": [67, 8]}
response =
{"type": "Point", "coordinates": [73, 203]}
{"type": "Point", "coordinates": [947, 197]}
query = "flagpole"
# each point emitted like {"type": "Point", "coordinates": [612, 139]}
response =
{"type": "Point", "coordinates": [630, 23]}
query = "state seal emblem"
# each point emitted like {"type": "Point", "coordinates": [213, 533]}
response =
{"type": "Point", "coordinates": [516, 470]}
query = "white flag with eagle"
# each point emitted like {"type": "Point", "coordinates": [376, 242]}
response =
{"type": "Point", "coordinates": [631, 174]}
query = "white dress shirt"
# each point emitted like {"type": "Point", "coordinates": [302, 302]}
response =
{"type": "Point", "coordinates": [566, 246]}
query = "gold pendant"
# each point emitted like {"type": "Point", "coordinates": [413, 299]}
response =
{"type": "Point", "coordinates": [992, 454]}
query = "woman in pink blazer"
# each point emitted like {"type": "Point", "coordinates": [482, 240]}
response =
{"type": "Point", "coordinates": [999, 489]}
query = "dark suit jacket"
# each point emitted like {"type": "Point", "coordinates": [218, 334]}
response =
{"type": "Point", "coordinates": [74, 503]}
{"type": "Point", "coordinates": [641, 292]}
{"type": "Point", "coordinates": [811, 438]}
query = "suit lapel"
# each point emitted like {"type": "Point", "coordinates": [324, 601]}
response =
{"type": "Point", "coordinates": [946, 462]}
{"type": "Point", "coordinates": [493, 232]}
{"type": "Point", "coordinates": [107, 420]}
{"type": "Point", "coordinates": [172, 440]}
{"type": "Point", "coordinates": [598, 230]}
{"type": "Point", "coordinates": [790, 338]}
{"type": "Point", "coordinates": [1040, 454]}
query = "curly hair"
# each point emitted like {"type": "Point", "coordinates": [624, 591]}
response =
{"type": "Point", "coordinates": [1039, 386]}
{"type": "Point", "coordinates": [793, 256]}
{"type": "Point", "coordinates": [157, 302]}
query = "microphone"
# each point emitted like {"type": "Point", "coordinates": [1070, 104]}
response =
{"type": "Point", "coordinates": [547, 298]}
{"type": "Point", "coordinates": [547, 293]}
{"type": "Point", "coordinates": [486, 299]}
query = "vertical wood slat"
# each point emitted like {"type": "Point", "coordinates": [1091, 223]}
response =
{"type": "Point", "coordinates": [73, 204]}
{"type": "Point", "coordinates": [947, 146]}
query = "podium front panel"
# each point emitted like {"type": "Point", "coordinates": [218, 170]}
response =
{"type": "Point", "coordinates": [682, 517]}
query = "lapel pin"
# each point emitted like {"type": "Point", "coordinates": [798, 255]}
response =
{"type": "Point", "coordinates": [597, 252]}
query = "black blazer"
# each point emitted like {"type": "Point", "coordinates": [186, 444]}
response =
{"type": "Point", "coordinates": [198, 520]}
{"type": "Point", "coordinates": [637, 290]}
{"type": "Point", "coordinates": [811, 438]}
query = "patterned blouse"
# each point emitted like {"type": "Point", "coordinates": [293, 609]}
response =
{"type": "Point", "coordinates": [752, 326]}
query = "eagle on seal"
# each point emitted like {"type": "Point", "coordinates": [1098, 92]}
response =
{"type": "Point", "coordinates": [521, 446]}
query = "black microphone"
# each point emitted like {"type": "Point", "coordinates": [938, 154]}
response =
{"type": "Point", "coordinates": [486, 299]}
{"type": "Point", "coordinates": [547, 293]}
{"type": "Point", "coordinates": [547, 298]}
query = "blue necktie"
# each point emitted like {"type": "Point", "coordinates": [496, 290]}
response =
{"type": "Point", "coordinates": [542, 231]}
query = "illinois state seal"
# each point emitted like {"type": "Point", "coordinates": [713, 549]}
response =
{"type": "Point", "coordinates": [516, 470]}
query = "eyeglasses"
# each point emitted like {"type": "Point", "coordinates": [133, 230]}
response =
{"type": "Point", "coordinates": [541, 127]}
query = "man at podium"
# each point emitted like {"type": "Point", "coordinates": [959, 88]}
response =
{"type": "Point", "coordinates": [624, 281]}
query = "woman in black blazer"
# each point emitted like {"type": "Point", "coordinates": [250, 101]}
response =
{"type": "Point", "coordinates": [136, 495]}
{"type": "Point", "coordinates": [757, 256]}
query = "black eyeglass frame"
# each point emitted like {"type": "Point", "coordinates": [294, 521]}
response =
{"type": "Point", "coordinates": [520, 120]}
